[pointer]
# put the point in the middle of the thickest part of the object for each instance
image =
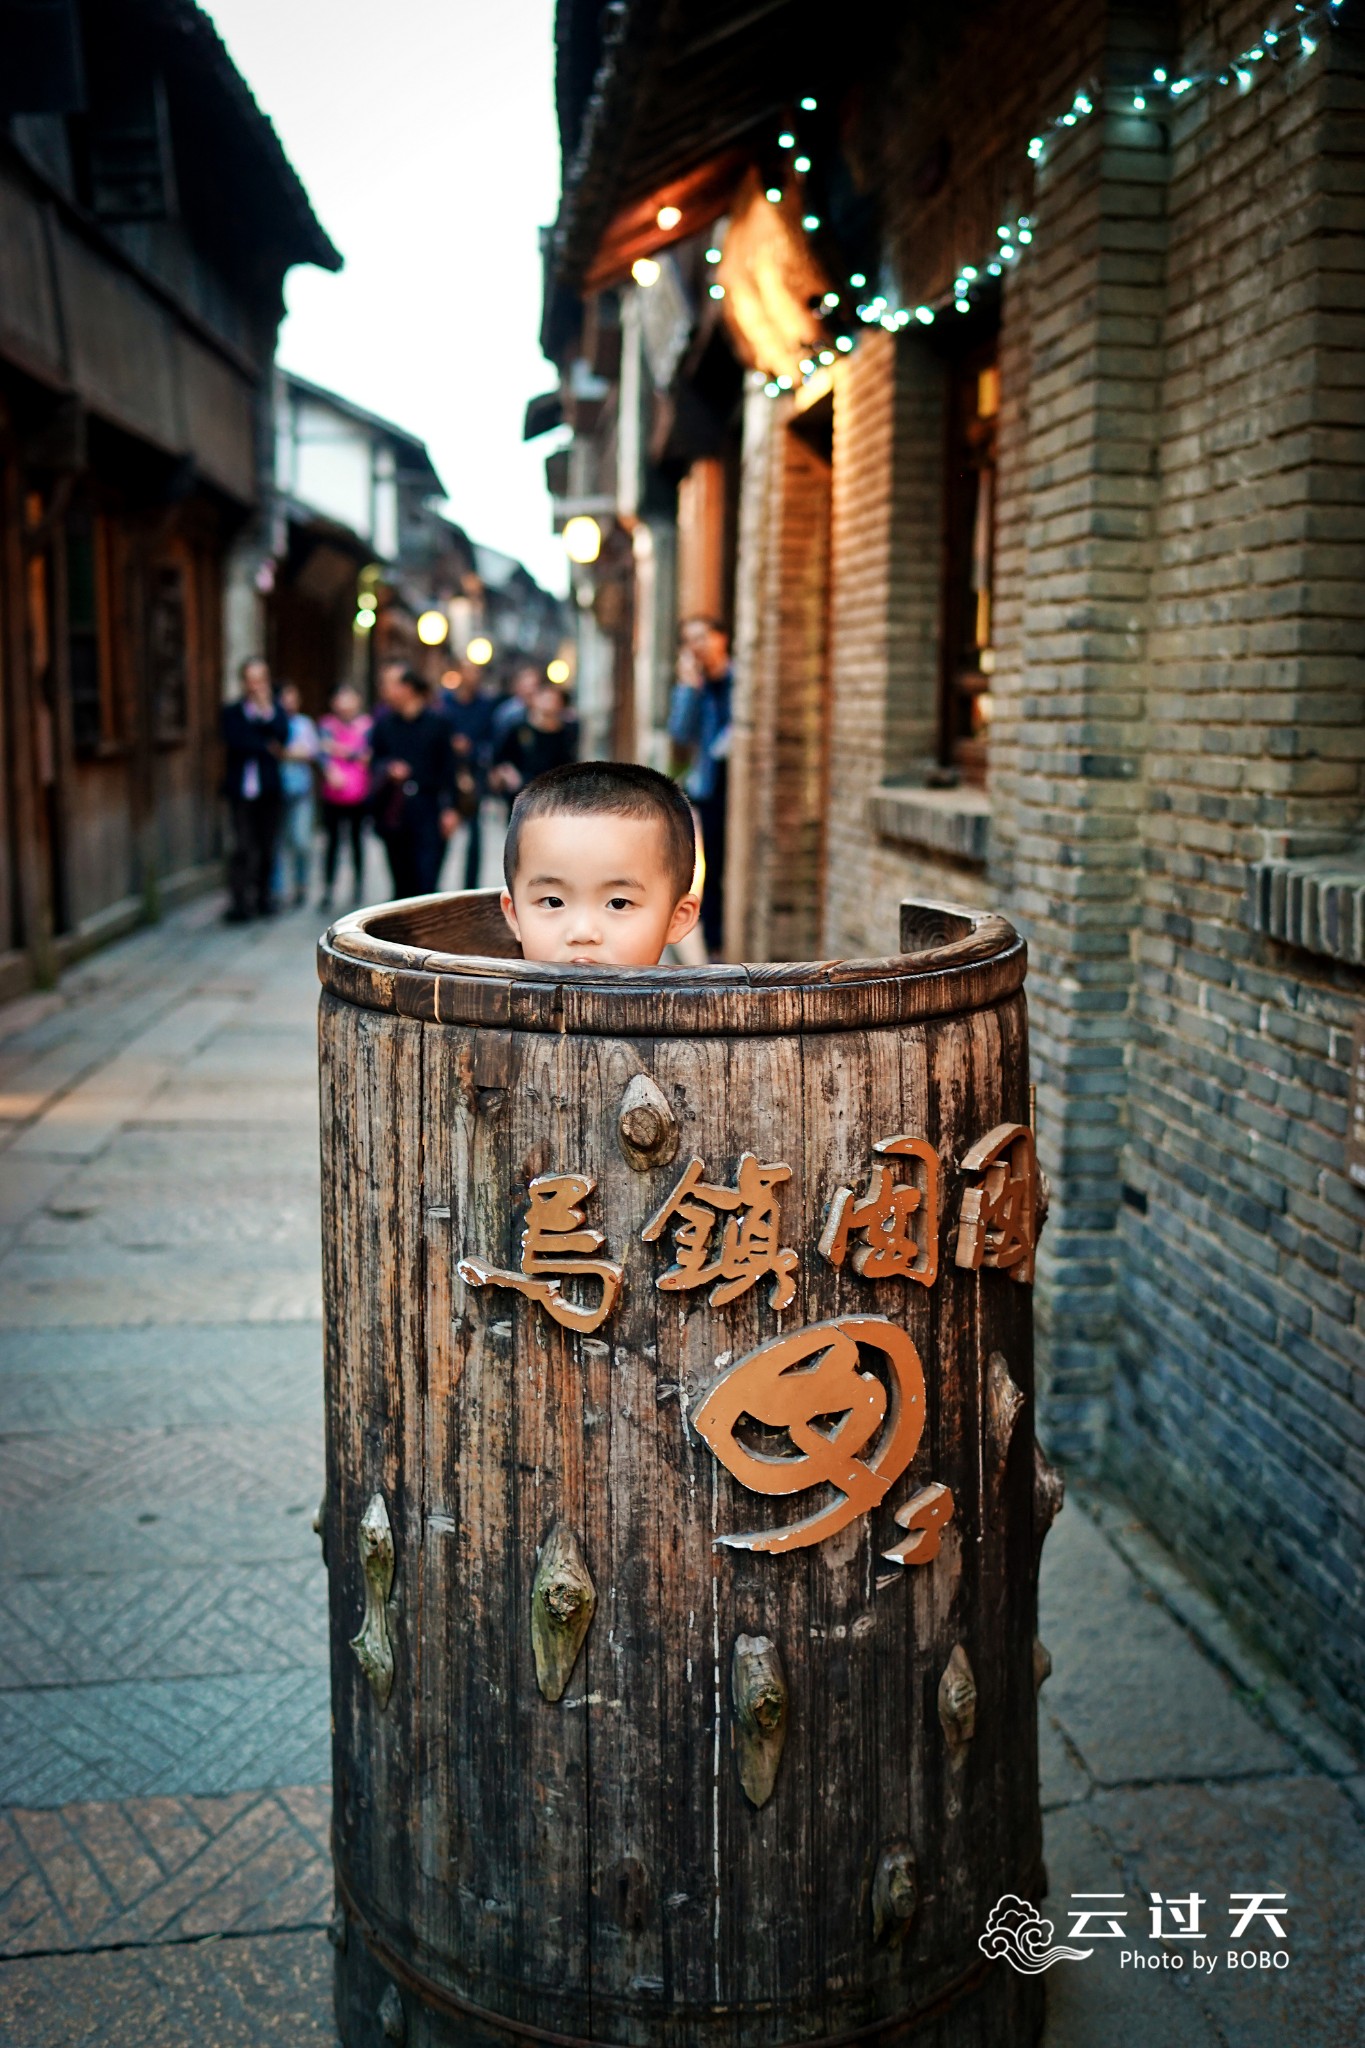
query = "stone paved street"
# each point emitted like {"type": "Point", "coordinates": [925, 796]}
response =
{"type": "Point", "coordinates": [163, 1693]}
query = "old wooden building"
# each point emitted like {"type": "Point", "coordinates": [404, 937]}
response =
{"type": "Point", "coordinates": [996, 373]}
{"type": "Point", "coordinates": [147, 218]}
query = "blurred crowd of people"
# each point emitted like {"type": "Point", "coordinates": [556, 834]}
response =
{"type": "Point", "coordinates": [422, 765]}
{"type": "Point", "coordinates": [412, 772]}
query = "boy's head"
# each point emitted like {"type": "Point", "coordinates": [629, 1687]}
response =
{"type": "Point", "coordinates": [599, 861]}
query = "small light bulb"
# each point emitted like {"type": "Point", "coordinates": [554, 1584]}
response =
{"type": "Point", "coordinates": [717, 291]}
{"type": "Point", "coordinates": [1083, 104]}
{"type": "Point", "coordinates": [1270, 38]}
{"type": "Point", "coordinates": [1003, 233]}
{"type": "Point", "coordinates": [1306, 44]}
{"type": "Point", "coordinates": [807, 105]}
{"type": "Point", "coordinates": [1181, 85]}
{"type": "Point", "coordinates": [1026, 235]}
{"type": "Point", "coordinates": [925, 315]}
{"type": "Point", "coordinates": [1068, 120]}
{"type": "Point", "coordinates": [1159, 76]}
{"type": "Point", "coordinates": [1009, 252]}
{"type": "Point", "coordinates": [364, 619]}
{"type": "Point", "coordinates": [480, 649]}
{"type": "Point", "coordinates": [772, 387]}
{"type": "Point", "coordinates": [810, 221]}
{"type": "Point", "coordinates": [806, 366]}
{"type": "Point", "coordinates": [800, 163]}
{"type": "Point", "coordinates": [1139, 103]}
{"type": "Point", "coordinates": [844, 344]}
{"type": "Point", "coordinates": [784, 383]}
{"type": "Point", "coordinates": [1024, 220]}
{"type": "Point", "coordinates": [668, 217]}
{"type": "Point", "coordinates": [962, 305]}
{"type": "Point", "coordinates": [968, 272]}
{"type": "Point", "coordinates": [773, 195]}
{"type": "Point", "coordinates": [830, 299]}
{"type": "Point", "coordinates": [857, 280]}
{"type": "Point", "coordinates": [827, 355]}
{"type": "Point", "coordinates": [1035, 148]}
{"type": "Point", "coordinates": [645, 271]}
{"type": "Point", "coordinates": [786, 140]}
{"type": "Point", "coordinates": [713, 255]}
{"type": "Point", "coordinates": [558, 671]}
{"type": "Point", "coordinates": [993, 270]}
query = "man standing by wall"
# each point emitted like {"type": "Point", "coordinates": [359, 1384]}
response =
{"type": "Point", "coordinates": [255, 733]}
{"type": "Point", "coordinates": [699, 718]}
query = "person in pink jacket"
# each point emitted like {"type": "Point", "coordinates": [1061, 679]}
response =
{"type": "Point", "coordinates": [344, 759]}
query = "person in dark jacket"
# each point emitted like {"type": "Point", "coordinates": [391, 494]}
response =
{"type": "Point", "coordinates": [255, 734]}
{"type": "Point", "coordinates": [540, 741]}
{"type": "Point", "coordinates": [469, 714]}
{"type": "Point", "coordinates": [414, 783]}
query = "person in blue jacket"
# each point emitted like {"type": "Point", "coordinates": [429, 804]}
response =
{"type": "Point", "coordinates": [699, 719]}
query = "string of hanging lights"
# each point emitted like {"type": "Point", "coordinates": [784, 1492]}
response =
{"type": "Point", "coordinates": [1293, 39]}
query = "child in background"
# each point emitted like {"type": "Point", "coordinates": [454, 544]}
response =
{"type": "Point", "coordinates": [599, 863]}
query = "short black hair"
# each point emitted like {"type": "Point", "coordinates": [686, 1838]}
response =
{"type": "Point", "coordinates": [620, 789]}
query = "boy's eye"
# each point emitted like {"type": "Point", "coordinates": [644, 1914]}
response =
{"type": "Point", "coordinates": [550, 902]}
{"type": "Point", "coordinates": [620, 903]}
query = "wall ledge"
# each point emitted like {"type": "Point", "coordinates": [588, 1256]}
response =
{"type": "Point", "coordinates": [1317, 902]}
{"type": "Point", "coordinates": [955, 822]}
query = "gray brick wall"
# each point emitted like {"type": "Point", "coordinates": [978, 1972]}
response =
{"type": "Point", "coordinates": [1179, 697]}
{"type": "Point", "coordinates": [1240, 1411]}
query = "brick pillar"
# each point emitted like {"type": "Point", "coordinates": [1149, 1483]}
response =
{"type": "Point", "coordinates": [884, 603]}
{"type": "Point", "coordinates": [1069, 795]}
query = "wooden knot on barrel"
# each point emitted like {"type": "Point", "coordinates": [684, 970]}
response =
{"type": "Point", "coordinates": [373, 1649]}
{"type": "Point", "coordinates": [563, 1602]}
{"type": "Point", "coordinates": [957, 1702]}
{"type": "Point", "coordinates": [646, 1127]}
{"type": "Point", "coordinates": [758, 1687]}
{"type": "Point", "coordinates": [895, 1895]}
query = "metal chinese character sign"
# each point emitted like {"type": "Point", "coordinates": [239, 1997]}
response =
{"type": "Point", "coordinates": [749, 1240]}
{"type": "Point", "coordinates": [998, 1222]}
{"type": "Point", "coordinates": [555, 1246]}
{"type": "Point", "coordinates": [802, 1414]}
{"type": "Point", "coordinates": [897, 1220]}
{"type": "Point", "coordinates": [807, 1386]}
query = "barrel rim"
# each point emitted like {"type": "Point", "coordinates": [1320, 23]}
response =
{"type": "Point", "coordinates": [981, 961]}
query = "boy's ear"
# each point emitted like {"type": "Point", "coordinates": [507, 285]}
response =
{"type": "Point", "coordinates": [510, 914]}
{"type": "Point", "coordinates": [684, 918]}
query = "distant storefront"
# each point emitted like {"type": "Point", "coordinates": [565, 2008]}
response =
{"type": "Point", "coordinates": [137, 333]}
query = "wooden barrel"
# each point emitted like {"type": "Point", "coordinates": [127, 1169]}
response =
{"type": "Point", "coordinates": [681, 1515]}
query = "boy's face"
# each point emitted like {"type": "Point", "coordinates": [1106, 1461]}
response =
{"type": "Point", "coordinates": [595, 892]}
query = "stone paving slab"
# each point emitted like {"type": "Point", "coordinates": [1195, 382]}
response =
{"type": "Point", "coordinates": [164, 1623]}
{"type": "Point", "coordinates": [191, 1735]}
{"type": "Point", "coordinates": [132, 1872]}
{"type": "Point", "coordinates": [1299, 1836]}
{"type": "Point", "coordinates": [184, 1376]}
{"type": "Point", "coordinates": [1136, 1697]}
{"type": "Point", "coordinates": [261, 1991]}
{"type": "Point", "coordinates": [108, 1288]}
{"type": "Point", "coordinates": [235, 1464]}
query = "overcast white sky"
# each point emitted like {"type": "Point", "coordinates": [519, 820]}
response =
{"type": "Point", "coordinates": [424, 133]}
